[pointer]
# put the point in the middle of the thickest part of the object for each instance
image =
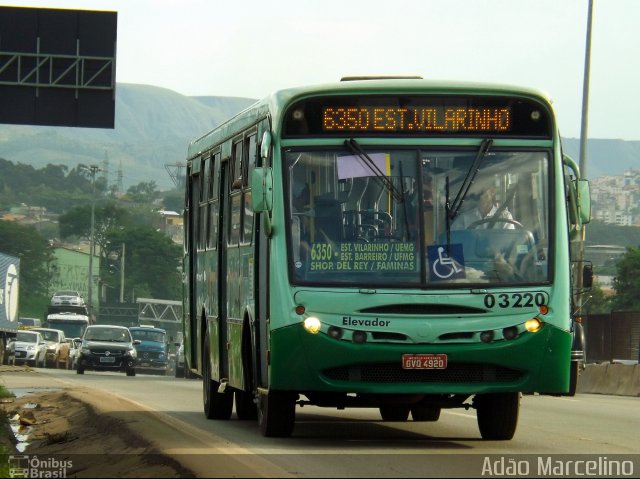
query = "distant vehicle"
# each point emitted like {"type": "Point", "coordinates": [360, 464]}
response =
{"type": "Point", "coordinates": [153, 353]}
{"type": "Point", "coordinates": [74, 351]}
{"type": "Point", "coordinates": [28, 323]}
{"type": "Point", "coordinates": [107, 348]}
{"type": "Point", "coordinates": [31, 348]}
{"type": "Point", "coordinates": [66, 297]}
{"type": "Point", "coordinates": [10, 281]}
{"type": "Point", "coordinates": [57, 347]}
{"type": "Point", "coordinates": [9, 352]}
{"type": "Point", "coordinates": [180, 371]}
{"type": "Point", "coordinates": [72, 323]}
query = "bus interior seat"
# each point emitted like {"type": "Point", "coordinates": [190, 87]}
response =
{"type": "Point", "coordinates": [328, 217]}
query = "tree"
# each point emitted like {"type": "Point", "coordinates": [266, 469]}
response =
{"type": "Point", "coordinates": [627, 281]}
{"type": "Point", "coordinates": [36, 264]}
{"type": "Point", "coordinates": [598, 302]}
{"type": "Point", "coordinates": [143, 192]}
{"type": "Point", "coordinates": [151, 263]}
{"type": "Point", "coordinates": [107, 217]}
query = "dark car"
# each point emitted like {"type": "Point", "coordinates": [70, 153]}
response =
{"type": "Point", "coordinates": [153, 353]}
{"type": "Point", "coordinates": [107, 348]}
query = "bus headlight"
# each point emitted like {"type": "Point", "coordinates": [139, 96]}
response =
{"type": "Point", "coordinates": [335, 332]}
{"type": "Point", "coordinates": [312, 325]}
{"type": "Point", "coordinates": [533, 325]}
{"type": "Point", "coordinates": [359, 337]}
{"type": "Point", "coordinates": [510, 333]}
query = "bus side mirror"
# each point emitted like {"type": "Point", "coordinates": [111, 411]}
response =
{"type": "Point", "coordinates": [584, 201]}
{"type": "Point", "coordinates": [262, 195]}
{"type": "Point", "coordinates": [262, 189]}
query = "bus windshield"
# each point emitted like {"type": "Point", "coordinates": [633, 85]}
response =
{"type": "Point", "coordinates": [367, 215]}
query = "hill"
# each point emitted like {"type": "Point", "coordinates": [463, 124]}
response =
{"type": "Point", "coordinates": [605, 157]}
{"type": "Point", "coordinates": [154, 126]}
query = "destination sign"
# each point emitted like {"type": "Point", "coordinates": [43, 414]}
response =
{"type": "Point", "coordinates": [417, 115]}
{"type": "Point", "coordinates": [423, 119]}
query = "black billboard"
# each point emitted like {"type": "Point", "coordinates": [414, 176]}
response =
{"type": "Point", "coordinates": [57, 67]}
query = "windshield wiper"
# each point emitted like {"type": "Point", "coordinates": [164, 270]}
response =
{"type": "Point", "coordinates": [356, 149]}
{"type": "Point", "coordinates": [452, 211]}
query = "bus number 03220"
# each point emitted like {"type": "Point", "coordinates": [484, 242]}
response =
{"type": "Point", "coordinates": [515, 300]}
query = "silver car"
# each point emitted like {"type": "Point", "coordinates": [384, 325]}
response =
{"type": "Point", "coordinates": [74, 351]}
{"type": "Point", "coordinates": [67, 298]}
{"type": "Point", "coordinates": [30, 348]}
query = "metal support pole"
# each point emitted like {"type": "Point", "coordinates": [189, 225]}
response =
{"type": "Point", "coordinates": [92, 169]}
{"type": "Point", "coordinates": [585, 96]}
{"type": "Point", "coordinates": [583, 153]}
{"type": "Point", "coordinates": [122, 275]}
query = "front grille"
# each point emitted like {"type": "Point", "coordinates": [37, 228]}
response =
{"type": "Point", "coordinates": [103, 351]}
{"type": "Point", "coordinates": [458, 373]}
{"type": "Point", "coordinates": [152, 355]}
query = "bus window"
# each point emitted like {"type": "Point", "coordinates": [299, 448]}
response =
{"type": "Point", "coordinates": [236, 195]}
{"type": "Point", "coordinates": [393, 217]}
{"type": "Point", "coordinates": [247, 169]}
{"type": "Point", "coordinates": [214, 202]}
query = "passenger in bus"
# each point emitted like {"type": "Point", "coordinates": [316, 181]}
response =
{"type": "Point", "coordinates": [301, 196]}
{"type": "Point", "coordinates": [486, 208]}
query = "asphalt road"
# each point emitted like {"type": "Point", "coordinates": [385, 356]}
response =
{"type": "Point", "coordinates": [552, 432]}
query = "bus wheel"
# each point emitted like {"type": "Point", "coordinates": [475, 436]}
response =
{"type": "Point", "coordinates": [497, 415]}
{"type": "Point", "coordinates": [394, 412]}
{"type": "Point", "coordinates": [573, 378]}
{"type": "Point", "coordinates": [277, 413]}
{"type": "Point", "coordinates": [245, 407]}
{"type": "Point", "coordinates": [425, 413]}
{"type": "Point", "coordinates": [217, 405]}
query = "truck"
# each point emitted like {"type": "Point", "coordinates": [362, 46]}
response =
{"type": "Point", "coordinates": [9, 289]}
{"type": "Point", "coordinates": [73, 323]}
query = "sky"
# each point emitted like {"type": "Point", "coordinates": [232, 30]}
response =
{"type": "Point", "coordinates": [249, 48]}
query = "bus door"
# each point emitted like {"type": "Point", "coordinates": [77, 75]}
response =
{"type": "Point", "coordinates": [225, 250]}
{"type": "Point", "coordinates": [190, 269]}
{"type": "Point", "coordinates": [235, 275]}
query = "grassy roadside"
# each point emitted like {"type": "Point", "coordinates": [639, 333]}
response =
{"type": "Point", "coordinates": [6, 445]}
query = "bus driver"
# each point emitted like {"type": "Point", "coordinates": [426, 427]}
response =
{"type": "Point", "coordinates": [485, 209]}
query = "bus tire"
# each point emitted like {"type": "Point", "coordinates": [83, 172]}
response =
{"type": "Point", "coordinates": [497, 415]}
{"type": "Point", "coordinates": [246, 409]}
{"type": "Point", "coordinates": [425, 413]}
{"type": "Point", "coordinates": [394, 412]}
{"type": "Point", "coordinates": [217, 405]}
{"type": "Point", "coordinates": [277, 413]}
{"type": "Point", "coordinates": [573, 378]}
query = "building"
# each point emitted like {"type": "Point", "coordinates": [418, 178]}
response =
{"type": "Point", "coordinates": [72, 273]}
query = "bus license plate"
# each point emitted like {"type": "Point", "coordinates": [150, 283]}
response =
{"type": "Point", "coordinates": [424, 361]}
{"type": "Point", "coordinates": [108, 359]}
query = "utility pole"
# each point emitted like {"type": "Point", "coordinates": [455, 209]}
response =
{"type": "Point", "coordinates": [122, 276]}
{"type": "Point", "coordinates": [585, 96]}
{"type": "Point", "coordinates": [583, 157]}
{"type": "Point", "coordinates": [93, 169]}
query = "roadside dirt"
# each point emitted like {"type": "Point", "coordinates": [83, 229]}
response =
{"type": "Point", "coordinates": [107, 435]}
{"type": "Point", "coordinates": [57, 425]}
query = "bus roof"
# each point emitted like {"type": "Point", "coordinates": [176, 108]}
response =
{"type": "Point", "coordinates": [278, 101]}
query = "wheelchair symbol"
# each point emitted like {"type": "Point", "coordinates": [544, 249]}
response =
{"type": "Point", "coordinates": [445, 267]}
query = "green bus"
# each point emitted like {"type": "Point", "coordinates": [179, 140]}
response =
{"type": "Point", "coordinates": [393, 243]}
